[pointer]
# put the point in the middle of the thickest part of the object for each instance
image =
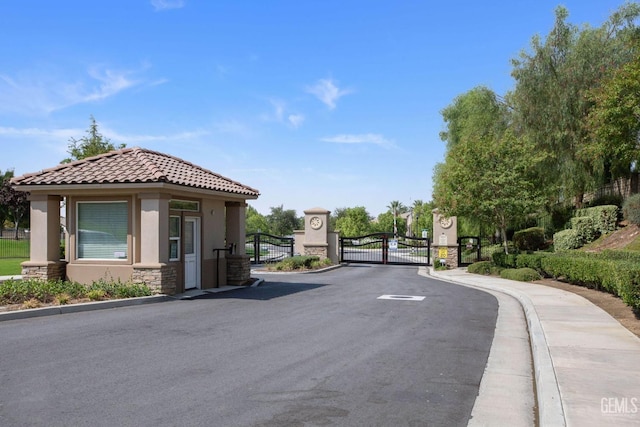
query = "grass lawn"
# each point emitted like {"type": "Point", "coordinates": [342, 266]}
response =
{"type": "Point", "coordinates": [10, 266]}
{"type": "Point", "coordinates": [10, 248]}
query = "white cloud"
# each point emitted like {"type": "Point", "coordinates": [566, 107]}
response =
{"type": "Point", "coordinates": [132, 139]}
{"type": "Point", "coordinates": [42, 134]}
{"type": "Point", "coordinates": [327, 92]}
{"type": "Point", "coordinates": [281, 115]}
{"type": "Point", "coordinates": [43, 94]}
{"type": "Point", "coordinates": [114, 136]}
{"type": "Point", "coordinates": [366, 138]}
{"type": "Point", "coordinates": [111, 82]}
{"type": "Point", "coordinates": [296, 120]}
{"type": "Point", "coordinates": [160, 5]}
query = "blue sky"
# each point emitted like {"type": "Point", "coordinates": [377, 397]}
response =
{"type": "Point", "coordinates": [314, 103]}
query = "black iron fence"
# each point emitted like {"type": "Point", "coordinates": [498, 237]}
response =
{"type": "Point", "coordinates": [266, 248]}
{"type": "Point", "coordinates": [10, 247]}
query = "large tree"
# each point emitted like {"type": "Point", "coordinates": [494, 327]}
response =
{"type": "Point", "coordinates": [353, 222]}
{"type": "Point", "coordinates": [283, 222]}
{"type": "Point", "coordinates": [422, 217]}
{"type": "Point", "coordinates": [551, 99]}
{"type": "Point", "coordinates": [488, 173]}
{"type": "Point", "coordinates": [256, 222]}
{"type": "Point", "coordinates": [90, 145]}
{"type": "Point", "coordinates": [386, 221]}
{"type": "Point", "coordinates": [615, 121]}
{"type": "Point", "coordinates": [15, 203]}
{"type": "Point", "coordinates": [4, 209]}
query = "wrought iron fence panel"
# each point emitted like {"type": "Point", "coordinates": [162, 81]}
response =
{"type": "Point", "coordinates": [10, 247]}
{"type": "Point", "coordinates": [267, 248]}
{"type": "Point", "coordinates": [383, 248]}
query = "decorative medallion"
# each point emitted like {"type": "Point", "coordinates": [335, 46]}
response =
{"type": "Point", "coordinates": [445, 222]}
{"type": "Point", "coordinates": [315, 222]}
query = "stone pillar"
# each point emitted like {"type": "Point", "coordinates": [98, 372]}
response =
{"type": "Point", "coordinates": [161, 278]}
{"type": "Point", "coordinates": [238, 263]}
{"type": "Point", "coordinates": [445, 239]}
{"type": "Point", "coordinates": [154, 228]}
{"type": "Point", "coordinates": [236, 226]}
{"type": "Point", "coordinates": [153, 269]}
{"type": "Point", "coordinates": [44, 256]}
{"type": "Point", "coordinates": [238, 270]}
{"type": "Point", "coordinates": [316, 232]}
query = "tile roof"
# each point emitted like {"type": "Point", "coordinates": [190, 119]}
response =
{"type": "Point", "coordinates": [134, 165]}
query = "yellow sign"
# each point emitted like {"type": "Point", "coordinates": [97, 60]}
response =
{"type": "Point", "coordinates": [443, 253]}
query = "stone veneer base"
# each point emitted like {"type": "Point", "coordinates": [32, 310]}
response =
{"type": "Point", "coordinates": [320, 250]}
{"type": "Point", "coordinates": [161, 278]}
{"type": "Point", "coordinates": [49, 270]}
{"type": "Point", "coordinates": [238, 270]}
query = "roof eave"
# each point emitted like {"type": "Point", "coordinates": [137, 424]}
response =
{"type": "Point", "coordinates": [128, 187]}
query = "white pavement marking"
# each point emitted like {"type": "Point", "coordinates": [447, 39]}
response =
{"type": "Point", "coordinates": [402, 297]}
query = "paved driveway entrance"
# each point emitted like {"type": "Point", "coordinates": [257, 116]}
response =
{"type": "Point", "coordinates": [303, 349]}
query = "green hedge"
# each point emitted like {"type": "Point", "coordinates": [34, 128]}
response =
{"type": "Point", "coordinates": [530, 239]}
{"type": "Point", "coordinates": [481, 267]}
{"type": "Point", "coordinates": [533, 261]}
{"type": "Point", "coordinates": [19, 291]}
{"type": "Point", "coordinates": [585, 228]}
{"type": "Point", "coordinates": [604, 217]}
{"type": "Point", "coordinates": [520, 274]}
{"type": "Point", "coordinates": [504, 260]}
{"type": "Point", "coordinates": [566, 240]}
{"type": "Point", "coordinates": [299, 262]}
{"type": "Point", "coordinates": [631, 209]}
{"type": "Point", "coordinates": [613, 271]}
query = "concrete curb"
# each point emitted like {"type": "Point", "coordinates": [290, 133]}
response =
{"type": "Point", "coordinates": [550, 409]}
{"type": "Point", "coordinates": [103, 305]}
{"type": "Point", "coordinates": [321, 270]}
{"type": "Point", "coordinates": [77, 308]}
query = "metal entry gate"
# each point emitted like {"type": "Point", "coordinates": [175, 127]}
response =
{"type": "Point", "coordinates": [383, 248]}
{"type": "Point", "coordinates": [265, 248]}
{"type": "Point", "coordinates": [469, 250]}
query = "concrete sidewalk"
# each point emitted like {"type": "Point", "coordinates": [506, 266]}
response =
{"type": "Point", "coordinates": [586, 364]}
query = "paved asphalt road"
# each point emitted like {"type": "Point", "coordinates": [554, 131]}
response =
{"type": "Point", "coordinates": [300, 350]}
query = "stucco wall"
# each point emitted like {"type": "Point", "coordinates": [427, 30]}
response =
{"type": "Point", "coordinates": [87, 273]}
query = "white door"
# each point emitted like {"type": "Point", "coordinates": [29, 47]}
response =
{"type": "Point", "coordinates": [191, 252]}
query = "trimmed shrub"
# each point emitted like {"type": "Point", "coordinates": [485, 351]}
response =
{"type": "Point", "coordinates": [520, 274]}
{"type": "Point", "coordinates": [504, 260]}
{"type": "Point", "coordinates": [631, 209]}
{"type": "Point", "coordinates": [604, 217]}
{"type": "Point", "coordinates": [566, 240]}
{"type": "Point", "coordinates": [530, 239]}
{"type": "Point", "coordinates": [621, 255]}
{"type": "Point", "coordinates": [585, 229]}
{"type": "Point", "coordinates": [299, 262]}
{"type": "Point", "coordinates": [533, 261]}
{"type": "Point", "coordinates": [481, 267]}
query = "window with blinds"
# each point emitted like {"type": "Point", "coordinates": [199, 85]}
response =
{"type": "Point", "coordinates": [174, 238]}
{"type": "Point", "coordinates": [102, 230]}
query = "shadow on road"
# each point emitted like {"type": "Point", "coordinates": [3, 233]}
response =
{"type": "Point", "coordinates": [264, 292]}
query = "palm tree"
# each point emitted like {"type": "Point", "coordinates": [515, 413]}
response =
{"type": "Point", "coordinates": [396, 208]}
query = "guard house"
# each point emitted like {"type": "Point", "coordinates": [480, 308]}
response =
{"type": "Point", "coordinates": [138, 215]}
